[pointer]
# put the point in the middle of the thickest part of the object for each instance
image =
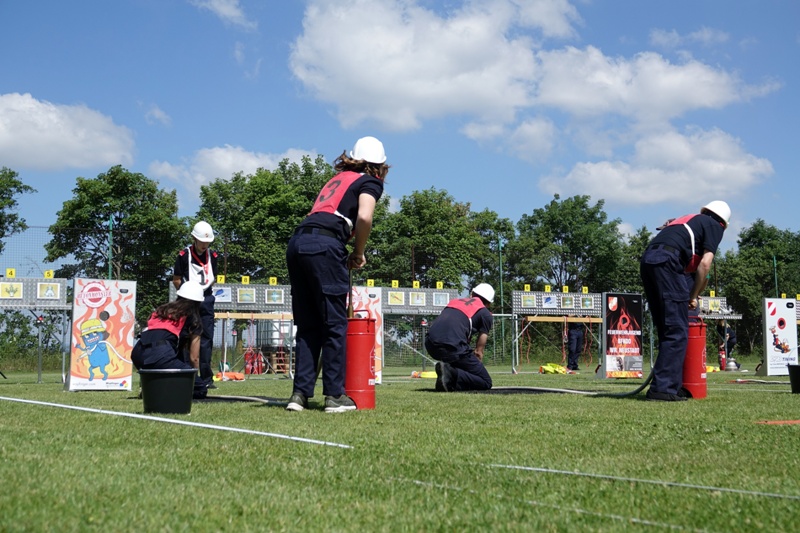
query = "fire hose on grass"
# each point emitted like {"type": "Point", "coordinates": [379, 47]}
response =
{"type": "Point", "coordinates": [694, 370]}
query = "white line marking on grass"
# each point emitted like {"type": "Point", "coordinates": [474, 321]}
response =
{"type": "Point", "coordinates": [181, 422]}
{"type": "Point", "coordinates": [752, 389]}
{"type": "Point", "coordinates": [649, 481]}
{"type": "Point", "coordinates": [535, 503]}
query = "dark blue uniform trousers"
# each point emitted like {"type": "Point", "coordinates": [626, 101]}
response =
{"type": "Point", "coordinates": [665, 285]}
{"type": "Point", "coordinates": [156, 349]}
{"type": "Point", "coordinates": [575, 347]}
{"type": "Point", "coordinates": [472, 375]}
{"type": "Point", "coordinates": [319, 278]}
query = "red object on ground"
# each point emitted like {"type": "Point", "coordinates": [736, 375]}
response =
{"type": "Point", "coordinates": [359, 379]}
{"type": "Point", "coordinates": [253, 362]}
{"type": "Point", "coordinates": [694, 365]}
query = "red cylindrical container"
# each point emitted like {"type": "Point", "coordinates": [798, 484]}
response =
{"type": "Point", "coordinates": [359, 379]}
{"type": "Point", "coordinates": [694, 366]}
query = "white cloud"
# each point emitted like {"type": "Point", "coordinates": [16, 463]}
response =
{"type": "Point", "coordinates": [665, 39]}
{"type": "Point", "coordinates": [668, 167]}
{"type": "Point", "coordinates": [396, 64]}
{"type": "Point", "coordinates": [672, 39]}
{"type": "Point", "coordinates": [483, 131]}
{"type": "Point", "coordinates": [156, 115]}
{"type": "Point", "coordinates": [478, 63]}
{"type": "Point", "coordinates": [533, 139]}
{"type": "Point", "coordinates": [229, 11]}
{"type": "Point", "coordinates": [626, 229]}
{"type": "Point", "coordinates": [530, 140]}
{"type": "Point", "coordinates": [585, 82]}
{"type": "Point", "coordinates": [238, 53]}
{"type": "Point", "coordinates": [708, 36]}
{"type": "Point", "coordinates": [40, 135]}
{"type": "Point", "coordinates": [554, 18]}
{"type": "Point", "coordinates": [208, 164]}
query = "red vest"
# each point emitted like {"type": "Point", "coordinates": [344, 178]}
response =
{"type": "Point", "coordinates": [468, 306]}
{"type": "Point", "coordinates": [695, 260]}
{"type": "Point", "coordinates": [173, 327]}
{"type": "Point", "coordinates": [332, 193]}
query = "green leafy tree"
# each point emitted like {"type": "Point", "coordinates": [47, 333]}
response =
{"type": "Point", "coordinates": [766, 264]}
{"type": "Point", "coordinates": [255, 215]}
{"type": "Point", "coordinates": [627, 277]}
{"type": "Point", "coordinates": [124, 221]}
{"type": "Point", "coordinates": [567, 242]}
{"type": "Point", "coordinates": [495, 234]}
{"type": "Point", "coordinates": [10, 188]}
{"type": "Point", "coordinates": [430, 239]}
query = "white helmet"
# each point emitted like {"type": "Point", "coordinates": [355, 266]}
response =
{"type": "Point", "coordinates": [202, 232]}
{"type": "Point", "coordinates": [719, 208]}
{"type": "Point", "coordinates": [191, 290]}
{"type": "Point", "coordinates": [369, 149]}
{"type": "Point", "coordinates": [485, 291]}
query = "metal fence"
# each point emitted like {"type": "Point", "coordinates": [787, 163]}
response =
{"type": "Point", "coordinates": [25, 253]}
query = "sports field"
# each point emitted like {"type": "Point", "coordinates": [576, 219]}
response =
{"type": "Point", "coordinates": [421, 461]}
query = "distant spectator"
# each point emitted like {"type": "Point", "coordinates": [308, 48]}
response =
{"type": "Point", "coordinates": [575, 338]}
{"type": "Point", "coordinates": [727, 337]}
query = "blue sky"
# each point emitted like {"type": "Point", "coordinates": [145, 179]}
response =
{"type": "Point", "coordinates": [655, 107]}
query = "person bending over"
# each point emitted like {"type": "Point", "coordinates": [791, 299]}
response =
{"type": "Point", "coordinates": [171, 328]}
{"type": "Point", "coordinates": [685, 245]}
{"type": "Point", "coordinates": [318, 264]}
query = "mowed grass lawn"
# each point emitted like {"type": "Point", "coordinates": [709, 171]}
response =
{"type": "Point", "coordinates": [421, 461]}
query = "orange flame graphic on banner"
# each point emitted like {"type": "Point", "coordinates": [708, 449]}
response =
{"type": "Point", "coordinates": [113, 320]}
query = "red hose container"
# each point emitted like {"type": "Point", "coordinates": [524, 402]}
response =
{"type": "Point", "coordinates": [694, 365]}
{"type": "Point", "coordinates": [359, 379]}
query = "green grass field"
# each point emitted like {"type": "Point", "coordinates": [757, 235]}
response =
{"type": "Point", "coordinates": [421, 461]}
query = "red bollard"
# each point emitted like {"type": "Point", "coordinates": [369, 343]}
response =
{"type": "Point", "coordinates": [359, 379]}
{"type": "Point", "coordinates": [694, 365]}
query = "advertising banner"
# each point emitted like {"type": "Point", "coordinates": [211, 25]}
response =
{"type": "Point", "coordinates": [368, 303]}
{"type": "Point", "coordinates": [780, 336]}
{"type": "Point", "coordinates": [622, 335]}
{"type": "Point", "coordinates": [103, 318]}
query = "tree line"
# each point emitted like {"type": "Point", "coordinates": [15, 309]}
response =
{"type": "Point", "coordinates": [124, 224]}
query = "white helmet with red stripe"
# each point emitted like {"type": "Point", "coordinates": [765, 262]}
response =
{"type": "Point", "coordinates": [202, 232]}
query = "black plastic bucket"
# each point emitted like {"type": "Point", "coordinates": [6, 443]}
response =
{"type": "Point", "coordinates": [167, 390]}
{"type": "Point", "coordinates": [794, 378]}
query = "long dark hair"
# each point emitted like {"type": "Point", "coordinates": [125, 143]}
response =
{"type": "Point", "coordinates": [345, 162]}
{"type": "Point", "coordinates": [174, 311]}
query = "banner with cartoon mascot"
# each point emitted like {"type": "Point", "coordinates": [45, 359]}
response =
{"type": "Point", "coordinates": [780, 336]}
{"type": "Point", "coordinates": [103, 319]}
